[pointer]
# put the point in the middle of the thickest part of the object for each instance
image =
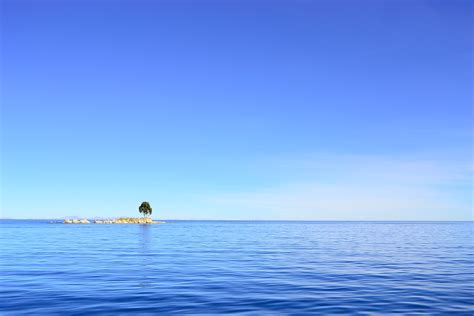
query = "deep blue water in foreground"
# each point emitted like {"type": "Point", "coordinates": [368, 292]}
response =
{"type": "Point", "coordinates": [254, 268]}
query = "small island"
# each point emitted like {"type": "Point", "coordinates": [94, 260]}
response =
{"type": "Point", "coordinates": [144, 209]}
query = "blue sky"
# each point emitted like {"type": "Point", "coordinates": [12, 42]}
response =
{"type": "Point", "coordinates": [321, 110]}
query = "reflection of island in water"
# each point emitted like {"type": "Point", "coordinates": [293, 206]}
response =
{"type": "Point", "coordinates": [145, 237]}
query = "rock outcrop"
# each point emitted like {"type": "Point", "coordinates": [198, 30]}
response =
{"type": "Point", "coordinates": [104, 221]}
{"type": "Point", "coordinates": [121, 220]}
{"type": "Point", "coordinates": [132, 220]}
{"type": "Point", "coordinates": [76, 221]}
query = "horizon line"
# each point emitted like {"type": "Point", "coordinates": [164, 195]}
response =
{"type": "Point", "coordinates": [268, 220]}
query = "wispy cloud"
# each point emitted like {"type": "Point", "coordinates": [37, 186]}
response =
{"type": "Point", "coordinates": [358, 187]}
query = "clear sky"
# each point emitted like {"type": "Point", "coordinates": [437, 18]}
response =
{"type": "Point", "coordinates": [321, 110]}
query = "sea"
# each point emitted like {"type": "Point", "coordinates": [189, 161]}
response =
{"type": "Point", "coordinates": [237, 267]}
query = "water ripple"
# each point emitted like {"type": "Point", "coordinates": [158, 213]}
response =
{"type": "Point", "coordinates": [250, 268]}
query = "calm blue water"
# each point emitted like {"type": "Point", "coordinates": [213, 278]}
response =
{"type": "Point", "coordinates": [253, 268]}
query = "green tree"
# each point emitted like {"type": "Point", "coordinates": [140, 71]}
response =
{"type": "Point", "coordinates": [145, 209]}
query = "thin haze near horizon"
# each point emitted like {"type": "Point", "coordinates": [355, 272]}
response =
{"type": "Point", "coordinates": [307, 110]}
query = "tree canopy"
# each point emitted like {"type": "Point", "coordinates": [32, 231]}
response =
{"type": "Point", "coordinates": [145, 209]}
